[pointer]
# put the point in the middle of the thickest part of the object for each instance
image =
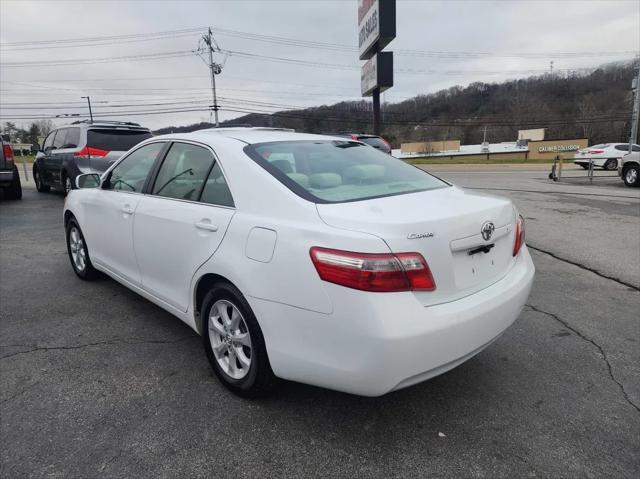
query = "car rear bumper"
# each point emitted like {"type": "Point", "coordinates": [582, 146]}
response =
{"type": "Point", "coordinates": [6, 177]}
{"type": "Point", "coordinates": [374, 343]}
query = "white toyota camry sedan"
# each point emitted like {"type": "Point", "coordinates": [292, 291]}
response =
{"type": "Point", "coordinates": [304, 257]}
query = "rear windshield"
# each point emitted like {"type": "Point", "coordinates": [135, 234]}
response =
{"type": "Point", "coordinates": [339, 171]}
{"type": "Point", "coordinates": [115, 140]}
{"type": "Point", "coordinates": [374, 141]}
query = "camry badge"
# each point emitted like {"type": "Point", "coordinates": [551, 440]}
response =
{"type": "Point", "coordinates": [419, 235]}
{"type": "Point", "coordinates": [487, 230]}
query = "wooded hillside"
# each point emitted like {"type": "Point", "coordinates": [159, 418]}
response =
{"type": "Point", "coordinates": [595, 105]}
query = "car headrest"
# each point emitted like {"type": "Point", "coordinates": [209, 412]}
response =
{"type": "Point", "coordinates": [197, 159]}
{"type": "Point", "coordinates": [283, 165]}
{"type": "Point", "coordinates": [364, 172]}
{"type": "Point", "coordinates": [325, 180]}
{"type": "Point", "coordinates": [299, 178]}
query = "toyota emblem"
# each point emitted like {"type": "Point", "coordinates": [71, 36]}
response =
{"type": "Point", "coordinates": [487, 230]}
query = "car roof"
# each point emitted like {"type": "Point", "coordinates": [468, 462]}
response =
{"type": "Point", "coordinates": [105, 124]}
{"type": "Point", "coordinates": [250, 135]}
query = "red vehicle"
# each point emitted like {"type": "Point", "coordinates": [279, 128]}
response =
{"type": "Point", "coordinates": [9, 177]}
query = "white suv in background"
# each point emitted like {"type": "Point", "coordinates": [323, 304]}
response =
{"type": "Point", "coordinates": [630, 169]}
{"type": "Point", "coordinates": [604, 155]}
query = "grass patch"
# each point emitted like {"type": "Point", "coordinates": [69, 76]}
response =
{"type": "Point", "coordinates": [463, 161]}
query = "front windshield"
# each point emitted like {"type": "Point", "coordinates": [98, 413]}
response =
{"type": "Point", "coordinates": [339, 171]}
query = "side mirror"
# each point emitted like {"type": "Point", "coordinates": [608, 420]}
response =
{"type": "Point", "coordinates": [89, 180]}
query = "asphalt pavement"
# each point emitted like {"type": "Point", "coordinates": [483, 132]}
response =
{"type": "Point", "coordinates": [95, 381]}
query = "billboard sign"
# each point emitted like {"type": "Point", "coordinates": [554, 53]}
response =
{"type": "Point", "coordinates": [376, 26]}
{"type": "Point", "coordinates": [377, 73]}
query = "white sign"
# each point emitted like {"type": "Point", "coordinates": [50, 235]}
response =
{"type": "Point", "coordinates": [556, 148]}
{"type": "Point", "coordinates": [369, 76]}
{"type": "Point", "coordinates": [368, 24]}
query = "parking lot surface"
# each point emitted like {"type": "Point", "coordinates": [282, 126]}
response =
{"type": "Point", "coordinates": [95, 381]}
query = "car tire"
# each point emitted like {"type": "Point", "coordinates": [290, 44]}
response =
{"type": "Point", "coordinates": [631, 175]}
{"type": "Point", "coordinates": [67, 183]}
{"type": "Point", "coordinates": [14, 192]}
{"type": "Point", "coordinates": [611, 164]}
{"type": "Point", "coordinates": [79, 252]}
{"type": "Point", "coordinates": [37, 179]}
{"type": "Point", "coordinates": [226, 334]}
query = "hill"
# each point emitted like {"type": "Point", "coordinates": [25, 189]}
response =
{"type": "Point", "coordinates": [594, 105]}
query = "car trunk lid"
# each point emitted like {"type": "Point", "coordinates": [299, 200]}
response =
{"type": "Point", "coordinates": [445, 226]}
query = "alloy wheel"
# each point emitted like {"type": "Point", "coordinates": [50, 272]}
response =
{"type": "Point", "coordinates": [631, 176]}
{"type": "Point", "coordinates": [67, 185]}
{"type": "Point", "coordinates": [78, 250]}
{"type": "Point", "coordinates": [230, 339]}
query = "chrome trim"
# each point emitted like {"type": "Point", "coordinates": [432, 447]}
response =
{"type": "Point", "coordinates": [187, 201]}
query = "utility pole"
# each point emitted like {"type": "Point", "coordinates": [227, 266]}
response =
{"type": "Point", "coordinates": [89, 102]}
{"type": "Point", "coordinates": [633, 137]}
{"type": "Point", "coordinates": [215, 70]}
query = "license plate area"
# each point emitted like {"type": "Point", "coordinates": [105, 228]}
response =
{"type": "Point", "coordinates": [473, 270]}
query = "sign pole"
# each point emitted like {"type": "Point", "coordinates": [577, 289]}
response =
{"type": "Point", "coordinates": [376, 28]}
{"type": "Point", "coordinates": [376, 111]}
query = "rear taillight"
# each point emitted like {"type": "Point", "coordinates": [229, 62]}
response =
{"type": "Point", "coordinates": [354, 137]}
{"type": "Point", "coordinates": [519, 240]}
{"type": "Point", "coordinates": [382, 273]}
{"type": "Point", "coordinates": [88, 152]}
{"type": "Point", "coordinates": [8, 152]}
{"type": "Point", "coordinates": [595, 152]}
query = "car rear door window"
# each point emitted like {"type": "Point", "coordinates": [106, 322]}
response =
{"type": "Point", "coordinates": [59, 139]}
{"type": "Point", "coordinates": [72, 138]}
{"type": "Point", "coordinates": [48, 142]}
{"type": "Point", "coordinates": [216, 191]}
{"type": "Point", "coordinates": [131, 173]}
{"type": "Point", "coordinates": [183, 172]}
{"type": "Point", "coordinates": [111, 139]}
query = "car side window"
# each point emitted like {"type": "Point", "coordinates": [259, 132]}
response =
{"type": "Point", "coordinates": [635, 148]}
{"type": "Point", "coordinates": [58, 141]}
{"type": "Point", "coordinates": [216, 191]}
{"type": "Point", "coordinates": [48, 142]}
{"type": "Point", "coordinates": [72, 138]}
{"type": "Point", "coordinates": [183, 172]}
{"type": "Point", "coordinates": [131, 173]}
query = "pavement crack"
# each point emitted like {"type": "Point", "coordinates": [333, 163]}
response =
{"type": "Point", "coordinates": [596, 345]}
{"type": "Point", "coordinates": [98, 343]}
{"type": "Point", "coordinates": [586, 268]}
{"type": "Point", "coordinates": [21, 392]}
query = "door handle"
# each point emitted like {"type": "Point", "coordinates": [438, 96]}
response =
{"type": "Point", "coordinates": [127, 210]}
{"type": "Point", "coordinates": [203, 225]}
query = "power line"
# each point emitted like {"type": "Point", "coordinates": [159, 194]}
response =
{"type": "Point", "coordinates": [84, 61]}
{"type": "Point", "coordinates": [103, 38]}
{"type": "Point", "coordinates": [114, 39]}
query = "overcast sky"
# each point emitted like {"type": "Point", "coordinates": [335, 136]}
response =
{"type": "Point", "coordinates": [457, 43]}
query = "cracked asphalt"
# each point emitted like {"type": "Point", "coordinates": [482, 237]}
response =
{"type": "Point", "coordinates": [95, 381]}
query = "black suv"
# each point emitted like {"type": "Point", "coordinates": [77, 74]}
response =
{"type": "Point", "coordinates": [83, 147]}
{"type": "Point", "coordinates": [373, 140]}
